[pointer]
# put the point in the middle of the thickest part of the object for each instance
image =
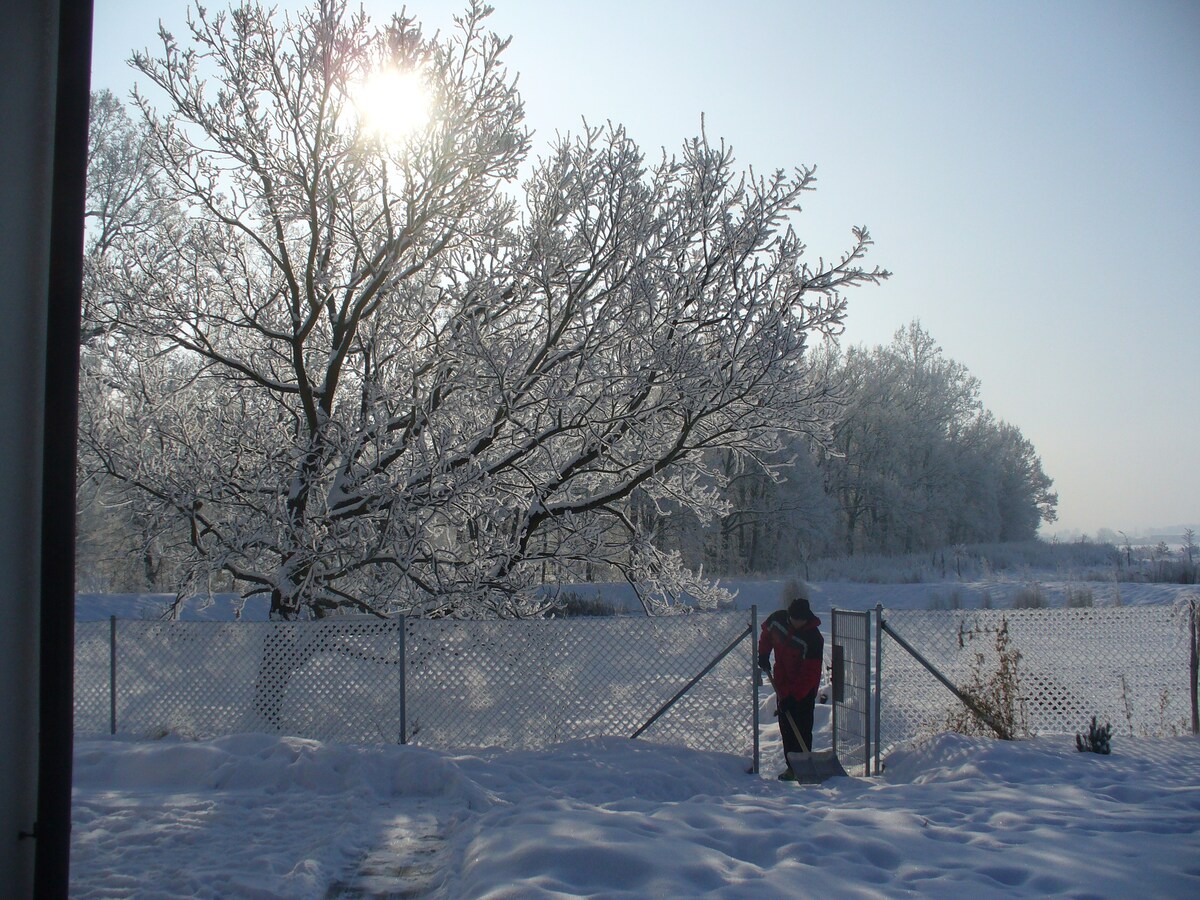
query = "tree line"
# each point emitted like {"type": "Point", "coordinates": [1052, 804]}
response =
{"type": "Point", "coordinates": [915, 463]}
{"type": "Point", "coordinates": [429, 374]}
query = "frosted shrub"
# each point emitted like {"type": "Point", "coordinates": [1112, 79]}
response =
{"type": "Point", "coordinates": [572, 604]}
{"type": "Point", "coordinates": [1080, 597]}
{"type": "Point", "coordinates": [1030, 596]}
{"type": "Point", "coordinates": [971, 562]}
{"type": "Point", "coordinates": [992, 702]}
{"type": "Point", "coordinates": [953, 600]}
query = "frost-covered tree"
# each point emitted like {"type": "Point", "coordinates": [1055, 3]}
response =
{"type": "Point", "coordinates": [894, 468]}
{"type": "Point", "coordinates": [918, 463]}
{"type": "Point", "coordinates": [378, 374]}
{"type": "Point", "coordinates": [122, 545]}
{"type": "Point", "coordinates": [778, 517]}
{"type": "Point", "coordinates": [1025, 496]}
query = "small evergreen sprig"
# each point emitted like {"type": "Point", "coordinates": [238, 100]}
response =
{"type": "Point", "coordinates": [1098, 740]}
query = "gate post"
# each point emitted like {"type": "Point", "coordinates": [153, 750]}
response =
{"type": "Point", "coordinates": [754, 679]}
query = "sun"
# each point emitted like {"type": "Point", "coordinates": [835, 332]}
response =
{"type": "Point", "coordinates": [392, 105]}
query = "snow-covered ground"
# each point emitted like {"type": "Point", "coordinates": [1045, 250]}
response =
{"type": "Point", "coordinates": [254, 816]}
{"type": "Point", "coordinates": [995, 592]}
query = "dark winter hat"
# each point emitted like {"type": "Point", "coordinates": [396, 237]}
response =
{"type": "Point", "coordinates": [799, 609]}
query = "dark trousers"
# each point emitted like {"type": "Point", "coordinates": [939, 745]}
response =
{"type": "Point", "coordinates": [801, 713]}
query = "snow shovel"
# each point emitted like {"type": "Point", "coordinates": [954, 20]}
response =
{"type": "Point", "coordinates": [809, 767]}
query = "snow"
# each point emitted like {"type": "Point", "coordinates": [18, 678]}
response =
{"type": "Point", "coordinates": [997, 591]}
{"type": "Point", "coordinates": [213, 608]}
{"type": "Point", "coordinates": [258, 816]}
{"type": "Point", "coordinates": [255, 815]}
{"type": "Point", "coordinates": [764, 593]}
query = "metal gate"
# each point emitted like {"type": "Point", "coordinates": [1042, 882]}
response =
{"type": "Point", "coordinates": [851, 685]}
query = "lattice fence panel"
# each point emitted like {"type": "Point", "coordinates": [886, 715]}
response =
{"type": "Point", "coordinates": [530, 684]}
{"type": "Point", "coordinates": [1125, 665]}
{"type": "Point", "coordinates": [195, 679]}
{"type": "Point", "coordinates": [92, 671]}
{"type": "Point", "coordinates": [340, 681]}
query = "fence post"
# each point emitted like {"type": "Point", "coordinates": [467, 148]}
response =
{"type": "Point", "coordinates": [878, 680]}
{"type": "Point", "coordinates": [869, 713]}
{"type": "Point", "coordinates": [836, 683]}
{"type": "Point", "coordinates": [1194, 665]}
{"type": "Point", "coordinates": [403, 683]}
{"type": "Point", "coordinates": [112, 674]}
{"type": "Point", "coordinates": [754, 679]}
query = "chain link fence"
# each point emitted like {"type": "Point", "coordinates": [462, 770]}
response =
{"type": "Point", "coordinates": [337, 680]}
{"type": "Point", "coordinates": [684, 680]}
{"type": "Point", "coordinates": [1128, 666]}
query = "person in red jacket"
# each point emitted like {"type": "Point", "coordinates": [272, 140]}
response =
{"type": "Point", "coordinates": [793, 635]}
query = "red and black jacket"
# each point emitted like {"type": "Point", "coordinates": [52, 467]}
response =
{"type": "Point", "coordinates": [799, 653]}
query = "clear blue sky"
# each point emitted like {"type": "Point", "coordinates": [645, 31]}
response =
{"type": "Point", "coordinates": [1030, 172]}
